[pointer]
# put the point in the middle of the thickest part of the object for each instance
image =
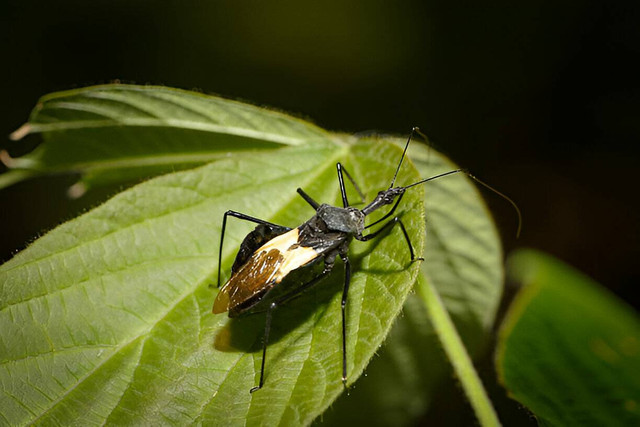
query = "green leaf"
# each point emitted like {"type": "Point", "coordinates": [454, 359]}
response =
{"type": "Point", "coordinates": [107, 318]}
{"type": "Point", "coordinates": [463, 261]}
{"type": "Point", "coordinates": [463, 254]}
{"type": "Point", "coordinates": [120, 133]}
{"type": "Point", "coordinates": [569, 350]}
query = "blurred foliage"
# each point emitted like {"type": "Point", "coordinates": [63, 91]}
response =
{"type": "Point", "coordinates": [569, 350]}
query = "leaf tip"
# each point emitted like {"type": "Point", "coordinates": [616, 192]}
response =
{"type": "Point", "coordinates": [21, 132]}
{"type": "Point", "coordinates": [7, 160]}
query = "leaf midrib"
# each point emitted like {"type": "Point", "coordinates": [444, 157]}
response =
{"type": "Point", "coordinates": [60, 350]}
{"type": "Point", "coordinates": [197, 157]}
{"type": "Point", "coordinates": [172, 124]}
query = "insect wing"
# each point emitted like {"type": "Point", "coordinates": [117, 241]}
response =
{"type": "Point", "coordinates": [259, 237]}
{"type": "Point", "coordinates": [269, 265]}
{"type": "Point", "coordinates": [252, 279]}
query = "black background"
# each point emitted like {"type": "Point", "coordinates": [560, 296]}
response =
{"type": "Point", "coordinates": [540, 99]}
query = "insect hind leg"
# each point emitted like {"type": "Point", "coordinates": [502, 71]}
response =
{"type": "Point", "coordinates": [345, 292]}
{"type": "Point", "coordinates": [275, 228]}
{"type": "Point", "coordinates": [275, 304]}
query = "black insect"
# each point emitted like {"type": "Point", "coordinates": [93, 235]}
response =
{"type": "Point", "coordinates": [271, 252]}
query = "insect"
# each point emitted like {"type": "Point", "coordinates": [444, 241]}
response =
{"type": "Point", "coordinates": [270, 252]}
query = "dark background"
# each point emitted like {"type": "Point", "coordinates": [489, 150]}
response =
{"type": "Point", "coordinates": [540, 99]}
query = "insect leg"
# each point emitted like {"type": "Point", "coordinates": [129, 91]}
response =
{"type": "Point", "coordinates": [343, 192]}
{"type": "Point", "coordinates": [341, 170]}
{"type": "Point", "coordinates": [224, 227]}
{"type": "Point", "coordinates": [275, 304]}
{"type": "Point", "coordinates": [265, 342]}
{"type": "Point", "coordinates": [390, 224]}
{"type": "Point", "coordinates": [345, 291]}
{"type": "Point", "coordinates": [315, 205]}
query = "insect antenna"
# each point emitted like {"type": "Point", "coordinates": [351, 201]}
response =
{"type": "Point", "coordinates": [415, 130]}
{"type": "Point", "coordinates": [484, 184]}
{"type": "Point", "coordinates": [404, 152]}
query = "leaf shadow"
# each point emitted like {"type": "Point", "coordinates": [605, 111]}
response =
{"type": "Point", "coordinates": [357, 261]}
{"type": "Point", "coordinates": [245, 333]}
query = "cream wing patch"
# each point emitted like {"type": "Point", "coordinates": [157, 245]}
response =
{"type": "Point", "coordinates": [268, 265]}
{"type": "Point", "coordinates": [292, 258]}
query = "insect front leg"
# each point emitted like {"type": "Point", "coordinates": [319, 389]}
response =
{"type": "Point", "coordinates": [328, 266]}
{"type": "Point", "coordinates": [343, 192]}
{"type": "Point", "coordinates": [278, 230]}
{"type": "Point", "coordinates": [388, 225]}
{"type": "Point", "coordinates": [307, 198]}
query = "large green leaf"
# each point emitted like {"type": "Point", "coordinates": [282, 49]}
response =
{"type": "Point", "coordinates": [119, 133]}
{"type": "Point", "coordinates": [463, 260]}
{"type": "Point", "coordinates": [569, 350]}
{"type": "Point", "coordinates": [107, 318]}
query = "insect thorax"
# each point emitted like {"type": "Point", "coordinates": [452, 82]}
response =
{"type": "Point", "coordinates": [346, 220]}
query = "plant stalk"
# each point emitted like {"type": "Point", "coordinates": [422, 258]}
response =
{"type": "Point", "coordinates": [457, 354]}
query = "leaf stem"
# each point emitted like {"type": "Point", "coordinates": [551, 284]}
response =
{"type": "Point", "coordinates": [13, 176]}
{"type": "Point", "coordinates": [457, 354]}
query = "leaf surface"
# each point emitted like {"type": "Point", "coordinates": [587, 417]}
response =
{"type": "Point", "coordinates": [569, 350]}
{"type": "Point", "coordinates": [114, 305]}
{"type": "Point", "coordinates": [107, 318]}
{"type": "Point", "coordinates": [122, 133]}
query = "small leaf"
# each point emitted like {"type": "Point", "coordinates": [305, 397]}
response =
{"type": "Point", "coordinates": [122, 133]}
{"type": "Point", "coordinates": [107, 318]}
{"type": "Point", "coordinates": [569, 350]}
{"type": "Point", "coordinates": [463, 260]}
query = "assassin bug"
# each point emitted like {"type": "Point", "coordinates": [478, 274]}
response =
{"type": "Point", "coordinates": [270, 252]}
